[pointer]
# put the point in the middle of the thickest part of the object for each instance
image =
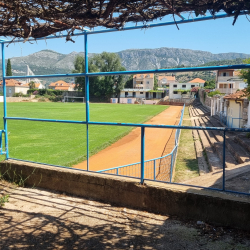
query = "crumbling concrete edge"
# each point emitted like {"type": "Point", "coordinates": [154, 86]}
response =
{"type": "Point", "coordinates": [185, 202]}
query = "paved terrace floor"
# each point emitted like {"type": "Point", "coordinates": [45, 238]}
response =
{"type": "Point", "coordinates": [39, 219]}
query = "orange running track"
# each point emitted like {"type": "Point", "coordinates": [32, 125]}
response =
{"type": "Point", "coordinates": [158, 142]}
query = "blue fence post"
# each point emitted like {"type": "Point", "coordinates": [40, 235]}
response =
{"type": "Point", "coordinates": [5, 104]}
{"type": "Point", "coordinates": [171, 167]}
{"type": "Point", "coordinates": [117, 171]}
{"type": "Point", "coordinates": [142, 153]}
{"type": "Point", "coordinates": [154, 171]}
{"type": "Point", "coordinates": [87, 94]}
{"type": "Point", "coordinates": [224, 160]}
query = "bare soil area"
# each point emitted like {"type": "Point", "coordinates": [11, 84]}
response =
{"type": "Point", "coordinates": [127, 150]}
{"type": "Point", "coordinates": [40, 219]}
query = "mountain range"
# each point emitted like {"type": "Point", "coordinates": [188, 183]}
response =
{"type": "Point", "coordinates": [52, 62]}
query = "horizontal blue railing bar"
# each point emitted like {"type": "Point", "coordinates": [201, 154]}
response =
{"type": "Point", "coordinates": [47, 76]}
{"type": "Point", "coordinates": [58, 166]}
{"type": "Point", "coordinates": [131, 124]}
{"type": "Point", "coordinates": [44, 120]}
{"type": "Point", "coordinates": [144, 26]}
{"type": "Point", "coordinates": [133, 72]}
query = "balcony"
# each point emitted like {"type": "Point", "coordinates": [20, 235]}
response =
{"type": "Point", "coordinates": [227, 90]}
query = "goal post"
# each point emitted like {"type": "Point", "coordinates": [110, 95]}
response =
{"type": "Point", "coordinates": [73, 99]}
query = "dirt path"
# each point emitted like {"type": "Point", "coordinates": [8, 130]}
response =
{"type": "Point", "coordinates": [40, 219]}
{"type": "Point", "coordinates": [127, 150]}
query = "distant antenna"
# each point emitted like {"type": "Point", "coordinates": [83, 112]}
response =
{"type": "Point", "coordinates": [30, 73]}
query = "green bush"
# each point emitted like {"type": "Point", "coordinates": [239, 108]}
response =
{"type": "Point", "coordinates": [213, 93]}
{"type": "Point", "coordinates": [30, 91]}
{"type": "Point", "coordinates": [42, 99]}
{"type": "Point", "coordinates": [18, 94]}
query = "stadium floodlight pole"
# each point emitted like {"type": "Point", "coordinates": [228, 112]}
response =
{"type": "Point", "coordinates": [87, 94]}
{"type": "Point", "coordinates": [4, 104]}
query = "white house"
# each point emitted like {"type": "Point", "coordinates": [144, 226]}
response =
{"type": "Point", "coordinates": [228, 81]}
{"type": "Point", "coordinates": [14, 86]}
{"type": "Point", "coordinates": [177, 90]}
{"type": "Point", "coordinates": [143, 85]}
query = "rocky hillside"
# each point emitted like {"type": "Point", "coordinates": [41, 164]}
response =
{"type": "Point", "coordinates": [51, 62]}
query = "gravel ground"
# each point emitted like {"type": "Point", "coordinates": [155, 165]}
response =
{"type": "Point", "coordinates": [40, 219]}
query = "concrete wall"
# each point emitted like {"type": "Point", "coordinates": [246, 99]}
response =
{"type": "Point", "coordinates": [185, 202]}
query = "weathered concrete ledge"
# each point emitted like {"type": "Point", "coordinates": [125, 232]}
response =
{"type": "Point", "coordinates": [185, 202]}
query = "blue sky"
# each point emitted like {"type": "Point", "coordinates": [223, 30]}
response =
{"type": "Point", "coordinates": [216, 36]}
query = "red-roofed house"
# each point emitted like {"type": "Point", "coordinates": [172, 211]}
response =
{"type": "Point", "coordinates": [14, 86]}
{"type": "Point", "coordinates": [62, 85]}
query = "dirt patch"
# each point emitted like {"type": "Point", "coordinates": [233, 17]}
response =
{"type": "Point", "coordinates": [38, 219]}
{"type": "Point", "coordinates": [127, 150]}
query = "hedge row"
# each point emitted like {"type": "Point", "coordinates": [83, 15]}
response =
{"type": "Point", "coordinates": [51, 92]}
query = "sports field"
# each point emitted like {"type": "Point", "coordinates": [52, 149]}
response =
{"type": "Point", "coordinates": [65, 144]}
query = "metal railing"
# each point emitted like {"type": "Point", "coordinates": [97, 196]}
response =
{"type": "Point", "coordinates": [143, 164]}
{"type": "Point", "coordinates": [160, 168]}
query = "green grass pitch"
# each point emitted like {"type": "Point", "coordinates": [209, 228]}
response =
{"type": "Point", "coordinates": [63, 143]}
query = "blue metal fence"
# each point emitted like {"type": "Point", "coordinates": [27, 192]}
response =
{"type": "Point", "coordinates": [160, 168]}
{"type": "Point", "coordinates": [144, 168]}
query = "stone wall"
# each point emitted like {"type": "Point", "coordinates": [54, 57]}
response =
{"type": "Point", "coordinates": [204, 98]}
{"type": "Point", "coordinates": [19, 99]}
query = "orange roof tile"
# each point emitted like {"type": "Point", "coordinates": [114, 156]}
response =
{"type": "Point", "coordinates": [197, 80]}
{"type": "Point", "coordinates": [62, 87]}
{"type": "Point", "coordinates": [143, 75]}
{"type": "Point", "coordinates": [237, 95]}
{"type": "Point", "coordinates": [169, 78]}
{"type": "Point", "coordinates": [12, 83]}
{"type": "Point", "coordinates": [59, 83]}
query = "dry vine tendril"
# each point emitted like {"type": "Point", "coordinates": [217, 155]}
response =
{"type": "Point", "coordinates": [40, 18]}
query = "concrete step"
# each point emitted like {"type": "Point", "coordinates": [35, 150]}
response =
{"type": "Point", "coordinates": [216, 141]}
{"type": "Point", "coordinates": [202, 163]}
{"type": "Point", "coordinates": [239, 153]}
{"type": "Point", "coordinates": [243, 141]}
{"type": "Point", "coordinates": [212, 159]}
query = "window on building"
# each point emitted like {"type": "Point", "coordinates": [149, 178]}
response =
{"type": "Point", "coordinates": [175, 92]}
{"type": "Point", "coordinates": [126, 93]}
{"type": "Point", "coordinates": [147, 82]}
{"type": "Point", "coordinates": [192, 86]}
{"type": "Point", "coordinates": [175, 85]}
{"type": "Point", "coordinates": [141, 93]}
{"type": "Point", "coordinates": [184, 86]}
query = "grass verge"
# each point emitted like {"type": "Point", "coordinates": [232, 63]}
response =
{"type": "Point", "coordinates": [63, 143]}
{"type": "Point", "coordinates": [186, 163]}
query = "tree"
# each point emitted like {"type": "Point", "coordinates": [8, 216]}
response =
{"type": "Point", "coordinates": [245, 74]}
{"type": "Point", "coordinates": [129, 82]}
{"type": "Point", "coordinates": [209, 84]}
{"type": "Point", "coordinates": [155, 83]}
{"type": "Point", "coordinates": [8, 72]}
{"type": "Point", "coordinates": [32, 85]}
{"type": "Point", "coordinates": [101, 86]}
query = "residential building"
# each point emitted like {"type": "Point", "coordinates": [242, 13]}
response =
{"type": "Point", "coordinates": [228, 81]}
{"type": "Point", "coordinates": [200, 81]}
{"type": "Point", "coordinates": [62, 85]}
{"type": "Point", "coordinates": [14, 86]}
{"type": "Point", "coordinates": [164, 80]}
{"type": "Point", "coordinates": [143, 85]}
{"type": "Point", "coordinates": [177, 90]}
